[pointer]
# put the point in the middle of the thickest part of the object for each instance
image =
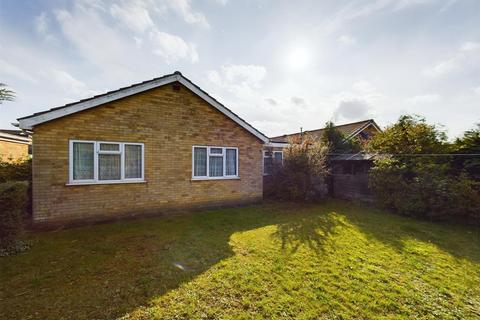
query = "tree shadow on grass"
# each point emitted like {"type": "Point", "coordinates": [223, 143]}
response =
{"type": "Point", "coordinates": [110, 270]}
{"type": "Point", "coordinates": [460, 241]}
{"type": "Point", "coordinates": [106, 271]}
{"type": "Point", "coordinates": [310, 229]}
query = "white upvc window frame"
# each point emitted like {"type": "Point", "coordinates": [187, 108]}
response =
{"type": "Point", "coordinates": [96, 153]}
{"type": "Point", "coordinates": [224, 155]}
{"type": "Point", "coordinates": [272, 156]}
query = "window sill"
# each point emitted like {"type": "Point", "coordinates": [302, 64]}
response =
{"type": "Point", "coordinates": [103, 182]}
{"type": "Point", "coordinates": [219, 178]}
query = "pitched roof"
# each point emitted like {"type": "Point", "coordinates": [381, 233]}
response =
{"type": "Point", "coordinates": [14, 136]}
{"type": "Point", "coordinates": [29, 122]}
{"type": "Point", "coordinates": [349, 130]}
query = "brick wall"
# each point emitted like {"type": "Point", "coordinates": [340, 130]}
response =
{"type": "Point", "coordinates": [168, 122]}
{"type": "Point", "coordinates": [10, 151]}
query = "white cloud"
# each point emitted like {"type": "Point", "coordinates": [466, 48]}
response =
{"type": "Point", "coordinates": [477, 90]}
{"type": "Point", "coordinates": [41, 23]}
{"type": "Point", "coordinates": [360, 9]}
{"type": "Point", "coordinates": [239, 79]}
{"type": "Point", "coordinates": [470, 46]}
{"type": "Point", "coordinates": [347, 40]}
{"type": "Point", "coordinates": [467, 55]}
{"type": "Point", "coordinates": [271, 101]}
{"type": "Point", "coordinates": [363, 90]}
{"type": "Point", "coordinates": [404, 4]}
{"type": "Point", "coordinates": [184, 9]}
{"type": "Point", "coordinates": [448, 4]}
{"type": "Point", "coordinates": [298, 102]}
{"type": "Point", "coordinates": [15, 71]}
{"type": "Point", "coordinates": [351, 109]}
{"type": "Point", "coordinates": [71, 85]}
{"type": "Point", "coordinates": [221, 2]}
{"type": "Point", "coordinates": [93, 39]}
{"type": "Point", "coordinates": [42, 27]}
{"type": "Point", "coordinates": [172, 47]}
{"type": "Point", "coordinates": [423, 99]}
{"type": "Point", "coordinates": [94, 4]}
{"type": "Point", "coordinates": [443, 68]}
{"type": "Point", "coordinates": [364, 87]}
{"type": "Point", "coordinates": [133, 14]}
{"type": "Point", "coordinates": [103, 44]}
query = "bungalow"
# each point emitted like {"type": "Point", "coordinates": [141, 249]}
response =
{"type": "Point", "coordinates": [362, 129]}
{"type": "Point", "coordinates": [273, 152]}
{"type": "Point", "coordinates": [14, 145]}
{"type": "Point", "coordinates": [156, 145]}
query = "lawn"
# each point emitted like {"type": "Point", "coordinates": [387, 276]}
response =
{"type": "Point", "coordinates": [324, 261]}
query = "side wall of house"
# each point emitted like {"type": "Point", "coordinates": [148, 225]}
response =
{"type": "Point", "coordinates": [11, 151]}
{"type": "Point", "coordinates": [267, 179]}
{"type": "Point", "coordinates": [169, 123]}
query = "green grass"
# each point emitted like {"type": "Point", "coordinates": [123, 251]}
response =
{"type": "Point", "coordinates": [328, 261]}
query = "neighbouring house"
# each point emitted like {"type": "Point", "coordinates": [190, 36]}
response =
{"type": "Point", "coordinates": [362, 129]}
{"type": "Point", "coordinates": [157, 145]}
{"type": "Point", "coordinates": [14, 145]}
{"type": "Point", "coordinates": [273, 152]}
{"type": "Point", "coordinates": [349, 173]}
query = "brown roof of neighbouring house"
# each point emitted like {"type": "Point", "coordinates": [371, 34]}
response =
{"type": "Point", "coordinates": [349, 130]}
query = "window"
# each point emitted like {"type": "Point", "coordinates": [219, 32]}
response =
{"type": "Point", "coordinates": [270, 160]}
{"type": "Point", "coordinates": [214, 162]}
{"type": "Point", "coordinates": [105, 162]}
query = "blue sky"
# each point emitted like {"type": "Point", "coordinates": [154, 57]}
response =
{"type": "Point", "coordinates": [281, 65]}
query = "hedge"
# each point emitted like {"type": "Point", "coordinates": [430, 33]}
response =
{"type": "Point", "coordinates": [13, 205]}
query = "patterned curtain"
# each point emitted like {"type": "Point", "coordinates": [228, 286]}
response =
{"type": "Point", "coordinates": [199, 162]}
{"type": "Point", "coordinates": [133, 161]}
{"type": "Point", "coordinates": [231, 169]}
{"type": "Point", "coordinates": [83, 161]}
{"type": "Point", "coordinates": [109, 167]}
{"type": "Point", "coordinates": [216, 166]}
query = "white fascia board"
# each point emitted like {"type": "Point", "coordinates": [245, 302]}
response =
{"type": "Point", "coordinates": [358, 130]}
{"type": "Point", "coordinates": [376, 126]}
{"type": "Point", "coordinates": [14, 138]}
{"type": "Point", "coordinates": [29, 123]}
{"type": "Point", "coordinates": [277, 144]}
{"type": "Point", "coordinates": [222, 109]}
{"type": "Point", "coordinates": [14, 141]}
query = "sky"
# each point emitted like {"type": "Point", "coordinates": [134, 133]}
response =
{"type": "Point", "coordinates": [280, 65]}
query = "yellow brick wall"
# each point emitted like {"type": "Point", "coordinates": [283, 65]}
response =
{"type": "Point", "coordinates": [11, 151]}
{"type": "Point", "coordinates": [169, 123]}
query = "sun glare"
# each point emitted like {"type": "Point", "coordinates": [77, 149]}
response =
{"type": "Point", "coordinates": [298, 58]}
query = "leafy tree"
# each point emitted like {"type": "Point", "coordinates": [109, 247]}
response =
{"type": "Point", "coordinates": [409, 135]}
{"type": "Point", "coordinates": [411, 176]}
{"type": "Point", "coordinates": [469, 143]}
{"type": "Point", "coordinates": [5, 93]}
{"type": "Point", "coordinates": [337, 141]}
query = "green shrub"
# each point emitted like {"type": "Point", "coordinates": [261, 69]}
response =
{"type": "Point", "coordinates": [302, 175]}
{"type": "Point", "coordinates": [415, 178]}
{"type": "Point", "coordinates": [19, 170]}
{"type": "Point", "coordinates": [13, 204]}
{"type": "Point", "coordinates": [466, 198]}
{"type": "Point", "coordinates": [425, 190]}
